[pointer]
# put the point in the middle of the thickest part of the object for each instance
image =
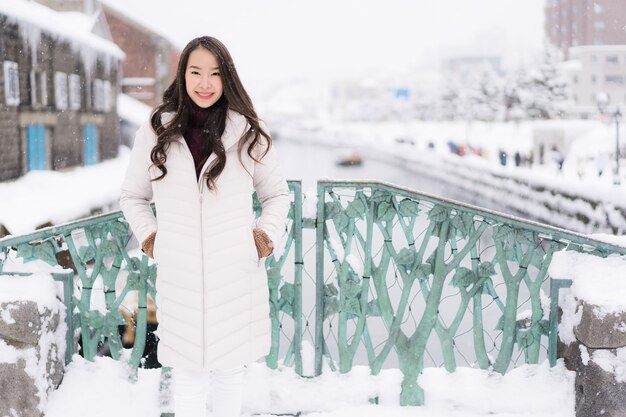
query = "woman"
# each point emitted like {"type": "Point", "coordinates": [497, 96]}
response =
{"type": "Point", "coordinates": [201, 156]}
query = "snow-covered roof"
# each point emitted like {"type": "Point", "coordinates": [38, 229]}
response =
{"type": "Point", "coordinates": [72, 26]}
{"type": "Point", "coordinates": [145, 24]}
{"type": "Point", "coordinates": [132, 110]}
{"type": "Point", "coordinates": [597, 48]}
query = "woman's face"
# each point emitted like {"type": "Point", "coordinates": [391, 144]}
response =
{"type": "Point", "coordinates": [203, 81]}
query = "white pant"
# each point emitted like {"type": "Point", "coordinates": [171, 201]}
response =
{"type": "Point", "coordinates": [191, 389]}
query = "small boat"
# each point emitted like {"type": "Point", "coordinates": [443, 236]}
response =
{"type": "Point", "coordinates": [354, 159]}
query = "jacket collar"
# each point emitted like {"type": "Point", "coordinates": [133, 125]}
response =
{"type": "Point", "coordinates": [235, 127]}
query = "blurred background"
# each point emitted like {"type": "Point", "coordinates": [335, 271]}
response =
{"type": "Point", "coordinates": [505, 104]}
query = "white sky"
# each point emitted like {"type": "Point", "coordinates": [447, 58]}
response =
{"type": "Point", "coordinates": [290, 39]}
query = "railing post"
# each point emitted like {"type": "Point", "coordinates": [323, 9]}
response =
{"type": "Point", "coordinates": [555, 286]}
{"type": "Point", "coordinates": [319, 281]}
{"type": "Point", "coordinates": [299, 263]}
{"type": "Point", "coordinates": [67, 278]}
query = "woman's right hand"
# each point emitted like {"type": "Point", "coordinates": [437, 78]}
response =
{"type": "Point", "coordinates": [147, 246]}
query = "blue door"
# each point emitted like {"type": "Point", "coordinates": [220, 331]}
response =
{"type": "Point", "coordinates": [36, 146]}
{"type": "Point", "coordinates": [91, 144]}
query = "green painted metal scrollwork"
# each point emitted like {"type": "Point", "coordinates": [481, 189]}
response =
{"type": "Point", "coordinates": [399, 257]}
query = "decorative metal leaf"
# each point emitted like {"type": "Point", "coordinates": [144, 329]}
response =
{"type": "Point", "coordinates": [332, 209]}
{"type": "Point", "coordinates": [351, 289]}
{"type": "Point", "coordinates": [351, 305]}
{"type": "Point", "coordinates": [356, 208]}
{"type": "Point", "coordinates": [438, 214]}
{"type": "Point", "coordinates": [133, 281]}
{"type": "Point", "coordinates": [524, 338]}
{"type": "Point", "coordinates": [341, 221]}
{"type": "Point", "coordinates": [379, 196]}
{"type": "Point", "coordinates": [25, 251]}
{"type": "Point", "coordinates": [287, 292]}
{"type": "Point", "coordinates": [330, 290]}
{"type": "Point", "coordinates": [544, 327]}
{"type": "Point", "coordinates": [463, 224]}
{"type": "Point", "coordinates": [86, 254]}
{"type": "Point", "coordinates": [408, 208]}
{"type": "Point", "coordinates": [486, 269]}
{"type": "Point", "coordinates": [423, 271]}
{"type": "Point", "coordinates": [273, 277]}
{"type": "Point", "coordinates": [385, 212]}
{"type": "Point", "coordinates": [290, 214]}
{"type": "Point", "coordinates": [373, 308]}
{"type": "Point", "coordinates": [406, 257]}
{"type": "Point", "coordinates": [463, 278]}
{"type": "Point", "coordinates": [119, 229]}
{"type": "Point", "coordinates": [45, 252]}
{"type": "Point", "coordinates": [109, 248]}
{"type": "Point", "coordinates": [330, 307]}
{"type": "Point", "coordinates": [93, 320]}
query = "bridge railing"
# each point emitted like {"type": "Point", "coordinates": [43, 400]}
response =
{"type": "Point", "coordinates": [377, 274]}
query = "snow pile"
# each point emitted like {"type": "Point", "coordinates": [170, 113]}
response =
{"type": "Point", "coordinates": [598, 281]}
{"type": "Point", "coordinates": [43, 290]}
{"type": "Point", "coordinates": [132, 110]}
{"type": "Point", "coordinates": [612, 363]}
{"type": "Point", "coordinates": [41, 197]}
{"type": "Point", "coordinates": [102, 388]}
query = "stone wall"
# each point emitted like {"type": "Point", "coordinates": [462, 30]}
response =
{"type": "Point", "coordinates": [600, 340]}
{"type": "Point", "coordinates": [32, 351]}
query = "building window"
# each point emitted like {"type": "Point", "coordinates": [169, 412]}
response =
{"type": "Point", "coordinates": [612, 59]}
{"type": "Point", "coordinates": [38, 88]}
{"type": "Point", "coordinates": [598, 8]}
{"type": "Point", "coordinates": [106, 96]}
{"type": "Point", "coordinates": [599, 25]}
{"type": "Point", "coordinates": [614, 79]}
{"type": "Point", "coordinates": [97, 95]}
{"type": "Point", "coordinates": [60, 90]}
{"type": "Point", "coordinates": [11, 84]}
{"type": "Point", "coordinates": [74, 91]}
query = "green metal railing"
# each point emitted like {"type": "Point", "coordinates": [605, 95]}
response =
{"type": "Point", "coordinates": [387, 276]}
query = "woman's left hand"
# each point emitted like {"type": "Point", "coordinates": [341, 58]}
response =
{"type": "Point", "coordinates": [264, 246]}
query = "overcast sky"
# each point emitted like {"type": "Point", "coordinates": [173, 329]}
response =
{"type": "Point", "coordinates": [290, 39]}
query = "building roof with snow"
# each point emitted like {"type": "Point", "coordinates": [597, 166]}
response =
{"type": "Point", "coordinates": [74, 27]}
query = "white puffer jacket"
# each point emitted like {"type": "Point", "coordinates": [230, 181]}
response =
{"type": "Point", "coordinates": [212, 293]}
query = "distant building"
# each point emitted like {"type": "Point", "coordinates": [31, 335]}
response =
{"type": "Point", "coordinates": [571, 23]}
{"type": "Point", "coordinates": [151, 60]}
{"type": "Point", "coordinates": [473, 64]}
{"type": "Point", "coordinates": [58, 89]}
{"type": "Point", "coordinates": [597, 69]}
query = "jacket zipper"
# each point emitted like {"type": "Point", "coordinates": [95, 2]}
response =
{"type": "Point", "coordinates": [200, 191]}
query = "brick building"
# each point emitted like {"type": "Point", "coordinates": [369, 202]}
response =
{"type": "Point", "coordinates": [572, 23]}
{"type": "Point", "coordinates": [58, 85]}
{"type": "Point", "coordinates": [151, 59]}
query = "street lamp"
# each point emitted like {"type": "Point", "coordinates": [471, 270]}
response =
{"type": "Point", "coordinates": [617, 115]}
{"type": "Point", "coordinates": [602, 100]}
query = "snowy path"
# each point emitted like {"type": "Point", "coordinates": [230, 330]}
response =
{"type": "Point", "coordinates": [536, 391]}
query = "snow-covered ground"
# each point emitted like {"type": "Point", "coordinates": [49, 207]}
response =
{"type": "Point", "coordinates": [56, 197]}
{"type": "Point", "coordinates": [103, 388]}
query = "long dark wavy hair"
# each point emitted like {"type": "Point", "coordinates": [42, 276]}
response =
{"type": "Point", "coordinates": [177, 101]}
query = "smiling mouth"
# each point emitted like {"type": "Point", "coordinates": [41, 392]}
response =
{"type": "Point", "coordinates": [204, 96]}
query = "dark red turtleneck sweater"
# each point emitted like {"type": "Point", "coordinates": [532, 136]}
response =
{"type": "Point", "coordinates": [196, 141]}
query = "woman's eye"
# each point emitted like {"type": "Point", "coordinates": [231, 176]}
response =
{"type": "Point", "coordinates": [216, 74]}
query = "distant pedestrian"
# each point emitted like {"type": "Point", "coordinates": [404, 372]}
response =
{"type": "Point", "coordinates": [201, 155]}
{"type": "Point", "coordinates": [601, 161]}
{"type": "Point", "coordinates": [518, 159]}
{"type": "Point", "coordinates": [503, 157]}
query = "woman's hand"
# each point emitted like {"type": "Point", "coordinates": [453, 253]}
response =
{"type": "Point", "coordinates": [147, 246]}
{"type": "Point", "coordinates": [264, 246]}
